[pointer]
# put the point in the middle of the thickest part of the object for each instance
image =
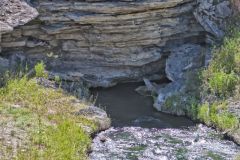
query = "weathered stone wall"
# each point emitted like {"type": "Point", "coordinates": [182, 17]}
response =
{"type": "Point", "coordinates": [105, 42]}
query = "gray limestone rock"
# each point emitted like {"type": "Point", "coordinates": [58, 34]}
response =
{"type": "Point", "coordinates": [105, 42]}
{"type": "Point", "coordinates": [223, 9]}
{"type": "Point", "coordinates": [183, 59]}
{"type": "Point", "coordinates": [14, 13]}
{"type": "Point", "coordinates": [168, 91]}
{"type": "Point", "coordinates": [98, 115]}
{"type": "Point", "coordinates": [181, 66]}
{"type": "Point", "coordinates": [212, 16]}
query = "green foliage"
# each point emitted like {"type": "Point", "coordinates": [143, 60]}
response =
{"type": "Point", "coordinates": [226, 121]}
{"type": "Point", "coordinates": [217, 115]}
{"type": "Point", "coordinates": [40, 70]}
{"type": "Point", "coordinates": [57, 79]}
{"type": "Point", "coordinates": [225, 57]}
{"type": "Point", "coordinates": [53, 131]}
{"type": "Point", "coordinates": [222, 84]}
{"type": "Point", "coordinates": [192, 107]}
{"type": "Point", "coordinates": [66, 141]}
{"type": "Point", "coordinates": [222, 75]}
{"type": "Point", "coordinates": [203, 113]}
{"type": "Point", "coordinates": [174, 103]}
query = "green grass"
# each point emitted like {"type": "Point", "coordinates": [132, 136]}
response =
{"type": "Point", "coordinates": [220, 83]}
{"type": "Point", "coordinates": [222, 75]}
{"type": "Point", "coordinates": [47, 117]}
{"type": "Point", "coordinates": [217, 116]}
{"type": "Point", "coordinates": [65, 141]}
{"type": "Point", "coordinates": [40, 70]}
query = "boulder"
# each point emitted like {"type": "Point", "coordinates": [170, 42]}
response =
{"type": "Point", "coordinates": [223, 9]}
{"type": "Point", "coordinates": [183, 59]}
{"type": "Point", "coordinates": [235, 135]}
{"type": "Point", "coordinates": [15, 13]}
{"type": "Point", "coordinates": [98, 115]}
{"type": "Point", "coordinates": [170, 92]}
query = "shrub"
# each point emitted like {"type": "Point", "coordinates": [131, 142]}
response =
{"type": "Point", "coordinates": [40, 70]}
{"type": "Point", "coordinates": [204, 113]}
{"type": "Point", "coordinates": [217, 115]}
{"type": "Point", "coordinates": [222, 84]}
{"type": "Point", "coordinates": [222, 75]}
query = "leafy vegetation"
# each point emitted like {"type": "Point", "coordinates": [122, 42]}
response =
{"type": "Point", "coordinates": [43, 119]}
{"type": "Point", "coordinates": [40, 70]}
{"type": "Point", "coordinates": [211, 115]}
{"type": "Point", "coordinates": [220, 83]}
{"type": "Point", "coordinates": [222, 75]}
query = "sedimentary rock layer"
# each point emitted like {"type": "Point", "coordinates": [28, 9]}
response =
{"type": "Point", "coordinates": [105, 42]}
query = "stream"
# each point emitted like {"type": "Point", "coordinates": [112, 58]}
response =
{"type": "Point", "coordinates": [139, 132]}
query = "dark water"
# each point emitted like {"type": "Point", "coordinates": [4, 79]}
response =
{"type": "Point", "coordinates": [128, 108]}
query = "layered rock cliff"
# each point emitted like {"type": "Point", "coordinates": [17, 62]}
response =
{"type": "Point", "coordinates": [105, 42]}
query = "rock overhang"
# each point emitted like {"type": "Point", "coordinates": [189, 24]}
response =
{"type": "Point", "coordinates": [105, 42]}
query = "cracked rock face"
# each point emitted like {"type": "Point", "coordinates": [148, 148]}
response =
{"type": "Point", "coordinates": [105, 42]}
